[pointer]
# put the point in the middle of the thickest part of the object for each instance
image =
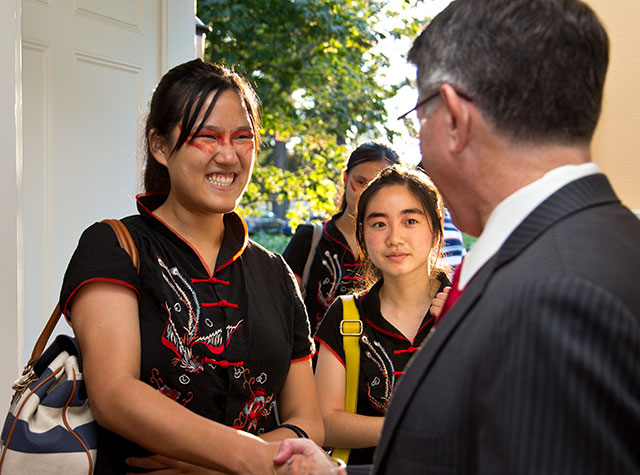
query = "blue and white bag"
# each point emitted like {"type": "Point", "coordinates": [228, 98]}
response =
{"type": "Point", "coordinates": [50, 428]}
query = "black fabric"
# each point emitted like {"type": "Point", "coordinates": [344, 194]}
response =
{"type": "Point", "coordinates": [384, 353]}
{"type": "Point", "coordinates": [333, 271]}
{"type": "Point", "coordinates": [220, 345]}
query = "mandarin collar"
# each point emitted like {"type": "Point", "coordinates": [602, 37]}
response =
{"type": "Point", "coordinates": [234, 242]}
{"type": "Point", "coordinates": [331, 229]}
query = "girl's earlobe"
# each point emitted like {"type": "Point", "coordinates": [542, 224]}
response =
{"type": "Point", "coordinates": [158, 147]}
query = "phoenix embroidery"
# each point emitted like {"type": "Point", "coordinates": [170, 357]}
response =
{"type": "Point", "coordinates": [181, 334]}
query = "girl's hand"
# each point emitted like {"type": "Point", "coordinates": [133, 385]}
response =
{"type": "Point", "coordinates": [438, 302]}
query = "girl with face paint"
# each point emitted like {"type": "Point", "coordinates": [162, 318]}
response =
{"type": "Point", "coordinates": [200, 357]}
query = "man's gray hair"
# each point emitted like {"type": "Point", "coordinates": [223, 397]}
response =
{"type": "Point", "coordinates": [535, 68]}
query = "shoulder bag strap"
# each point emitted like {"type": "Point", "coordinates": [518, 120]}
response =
{"type": "Point", "coordinates": [350, 328]}
{"type": "Point", "coordinates": [315, 239]}
{"type": "Point", "coordinates": [126, 241]}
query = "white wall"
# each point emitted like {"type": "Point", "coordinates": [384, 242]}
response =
{"type": "Point", "coordinates": [10, 181]}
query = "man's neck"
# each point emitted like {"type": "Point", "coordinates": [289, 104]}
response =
{"type": "Point", "coordinates": [515, 167]}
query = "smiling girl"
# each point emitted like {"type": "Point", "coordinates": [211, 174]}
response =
{"type": "Point", "coordinates": [202, 355]}
{"type": "Point", "coordinates": [399, 231]}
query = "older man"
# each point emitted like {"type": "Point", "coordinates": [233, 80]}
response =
{"type": "Point", "coordinates": [536, 368]}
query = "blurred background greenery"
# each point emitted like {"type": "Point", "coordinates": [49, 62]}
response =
{"type": "Point", "coordinates": [273, 242]}
{"type": "Point", "coordinates": [324, 80]}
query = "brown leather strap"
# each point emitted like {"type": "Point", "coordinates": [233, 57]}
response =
{"type": "Point", "coordinates": [44, 337]}
{"type": "Point", "coordinates": [126, 242]}
{"type": "Point", "coordinates": [70, 429]}
{"type": "Point", "coordinates": [7, 439]}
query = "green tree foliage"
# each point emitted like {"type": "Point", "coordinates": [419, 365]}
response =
{"type": "Point", "coordinates": [314, 68]}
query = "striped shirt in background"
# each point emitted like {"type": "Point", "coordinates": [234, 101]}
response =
{"type": "Point", "coordinates": [453, 249]}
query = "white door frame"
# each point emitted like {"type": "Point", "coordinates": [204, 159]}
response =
{"type": "Point", "coordinates": [10, 186]}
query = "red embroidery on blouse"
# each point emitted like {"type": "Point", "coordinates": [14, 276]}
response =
{"type": "Point", "coordinates": [167, 391]}
{"type": "Point", "coordinates": [257, 405]}
{"type": "Point", "coordinates": [181, 336]}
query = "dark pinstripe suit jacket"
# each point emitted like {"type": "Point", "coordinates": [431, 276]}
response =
{"type": "Point", "coordinates": [536, 369]}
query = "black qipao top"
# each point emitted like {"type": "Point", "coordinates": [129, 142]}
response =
{"type": "Point", "coordinates": [333, 271]}
{"type": "Point", "coordinates": [384, 354]}
{"type": "Point", "coordinates": [218, 342]}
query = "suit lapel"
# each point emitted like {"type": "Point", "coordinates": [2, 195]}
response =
{"type": "Point", "coordinates": [586, 192]}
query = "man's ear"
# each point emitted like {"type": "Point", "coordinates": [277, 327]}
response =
{"type": "Point", "coordinates": [158, 147]}
{"type": "Point", "coordinates": [458, 118]}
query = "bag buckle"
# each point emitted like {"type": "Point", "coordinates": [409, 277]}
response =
{"type": "Point", "coordinates": [351, 327]}
{"type": "Point", "coordinates": [23, 382]}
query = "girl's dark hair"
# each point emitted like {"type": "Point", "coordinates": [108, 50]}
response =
{"type": "Point", "coordinates": [367, 152]}
{"type": "Point", "coordinates": [430, 200]}
{"type": "Point", "coordinates": [179, 98]}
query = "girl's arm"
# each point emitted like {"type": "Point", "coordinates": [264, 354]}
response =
{"type": "Point", "coordinates": [342, 429]}
{"type": "Point", "coordinates": [298, 404]}
{"type": "Point", "coordinates": [105, 321]}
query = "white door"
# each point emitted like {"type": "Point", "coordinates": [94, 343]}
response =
{"type": "Point", "coordinates": [89, 67]}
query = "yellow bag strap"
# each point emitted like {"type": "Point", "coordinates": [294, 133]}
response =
{"type": "Point", "coordinates": [350, 328]}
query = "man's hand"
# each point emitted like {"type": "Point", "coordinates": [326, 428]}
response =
{"type": "Point", "coordinates": [303, 456]}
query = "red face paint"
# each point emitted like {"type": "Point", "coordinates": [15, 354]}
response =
{"type": "Point", "coordinates": [244, 139]}
{"type": "Point", "coordinates": [242, 134]}
{"type": "Point", "coordinates": [211, 135]}
{"type": "Point", "coordinates": [358, 183]}
{"type": "Point", "coordinates": [208, 138]}
{"type": "Point", "coordinates": [247, 148]}
{"type": "Point", "coordinates": [202, 146]}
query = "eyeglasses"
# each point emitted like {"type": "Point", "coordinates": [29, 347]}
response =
{"type": "Point", "coordinates": [432, 96]}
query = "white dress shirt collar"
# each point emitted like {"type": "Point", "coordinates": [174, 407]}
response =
{"type": "Point", "coordinates": [506, 217]}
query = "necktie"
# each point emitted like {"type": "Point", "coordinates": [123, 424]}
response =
{"type": "Point", "coordinates": [453, 295]}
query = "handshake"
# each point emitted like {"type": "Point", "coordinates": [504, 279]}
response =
{"type": "Point", "coordinates": [303, 456]}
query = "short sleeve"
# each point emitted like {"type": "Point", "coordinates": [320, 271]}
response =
{"type": "Point", "coordinates": [97, 258]}
{"type": "Point", "coordinates": [297, 250]}
{"type": "Point", "coordinates": [329, 332]}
